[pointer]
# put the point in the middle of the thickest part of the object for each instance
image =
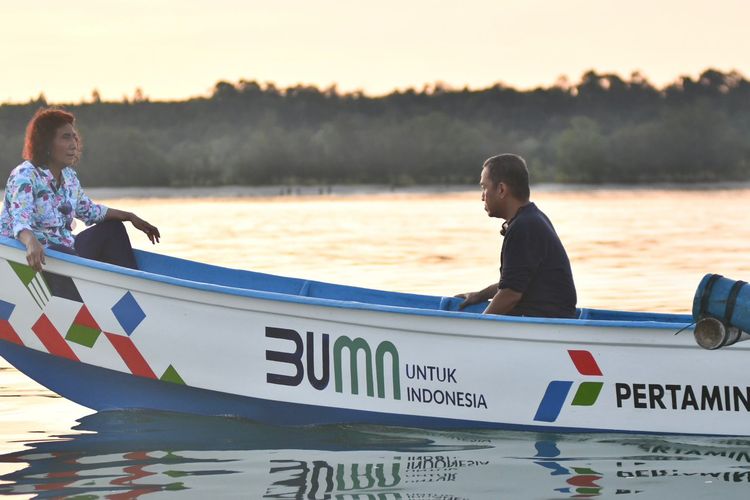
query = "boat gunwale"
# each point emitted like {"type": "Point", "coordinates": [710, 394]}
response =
{"type": "Point", "coordinates": [344, 304]}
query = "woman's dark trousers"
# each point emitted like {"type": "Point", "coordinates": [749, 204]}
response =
{"type": "Point", "coordinates": [107, 242]}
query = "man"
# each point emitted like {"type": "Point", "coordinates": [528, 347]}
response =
{"type": "Point", "coordinates": [535, 275]}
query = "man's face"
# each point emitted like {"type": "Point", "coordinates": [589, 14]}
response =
{"type": "Point", "coordinates": [492, 195]}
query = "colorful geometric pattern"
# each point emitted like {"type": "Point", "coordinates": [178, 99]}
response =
{"type": "Point", "coordinates": [52, 340]}
{"type": "Point", "coordinates": [34, 283]}
{"type": "Point", "coordinates": [45, 285]}
{"type": "Point", "coordinates": [62, 286]}
{"type": "Point", "coordinates": [84, 330]}
{"type": "Point", "coordinates": [171, 375]}
{"type": "Point", "coordinates": [130, 355]}
{"type": "Point", "coordinates": [6, 309]}
{"type": "Point", "coordinates": [6, 330]}
{"type": "Point", "coordinates": [128, 313]}
{"type": "Point", "coordinates": [8, 333]}
{"type": "Point", "coordinates": [557, 390]}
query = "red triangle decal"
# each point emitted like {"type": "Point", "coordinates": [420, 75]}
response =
{"type": "Point", "coordinates": [84, 318]}
{"type": "Point", "coordinates": [8, 333]}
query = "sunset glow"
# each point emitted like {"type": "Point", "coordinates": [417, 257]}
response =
{"type": "Point", "coordinates": [174, 50]}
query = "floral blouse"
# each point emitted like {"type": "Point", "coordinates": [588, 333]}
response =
{"type": "Point", "coordinates": [33, 201]}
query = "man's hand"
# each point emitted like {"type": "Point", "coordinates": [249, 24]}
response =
{"type": "Point", "coordinates": [470, 299]}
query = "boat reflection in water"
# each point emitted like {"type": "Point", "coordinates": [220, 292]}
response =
{"type": "Point", "coordinates": [128, 454]}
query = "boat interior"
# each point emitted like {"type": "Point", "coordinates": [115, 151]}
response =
{"type": "Point", "coordinates": [248, 280]}
{"type": "Point", "coordinates": [182, 272]}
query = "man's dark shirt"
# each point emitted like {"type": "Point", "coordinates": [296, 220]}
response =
{"type": "Point", "coordinates": [534, 263]}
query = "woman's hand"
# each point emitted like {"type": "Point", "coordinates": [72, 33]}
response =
{"type": "Point", "coordinates": [34, 250]}
{"type": "Point", "coordinates": [151, 231]}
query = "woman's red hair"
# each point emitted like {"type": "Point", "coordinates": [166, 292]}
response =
{"type": "Point", "coordinates": [41, 132]}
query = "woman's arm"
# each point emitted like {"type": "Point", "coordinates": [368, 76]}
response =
{"type": "Point", "coordinates": [92, 213]}
{"type": "Point", "coordinates": [151, 231]}
{"type": "Point", "coordinates": [34, 249]}
{"type": "Point", "coordinates": [20, 194]}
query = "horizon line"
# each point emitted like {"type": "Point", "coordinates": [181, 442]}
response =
{"type": "Point", "coordinates": [562, 81]}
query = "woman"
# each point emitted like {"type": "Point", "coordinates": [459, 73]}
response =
{"type": "Point", "coordinates": [43, 195]}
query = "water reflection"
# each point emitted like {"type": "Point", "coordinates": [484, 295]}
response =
{"type": "Point", "coordinates": [121, 455]}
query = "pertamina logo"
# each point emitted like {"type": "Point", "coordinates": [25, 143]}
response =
{"type": "Point", "coordinates": [557, 390]}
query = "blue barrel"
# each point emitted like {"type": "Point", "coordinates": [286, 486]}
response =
{"type": "Point", "coordinates": [724, 299]}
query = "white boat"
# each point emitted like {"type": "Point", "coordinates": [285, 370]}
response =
{"type": "Point", "coordinates": [183, 336]}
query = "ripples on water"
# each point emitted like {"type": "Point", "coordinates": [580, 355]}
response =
{"type": "Point", "coordinates": [634, 250]}
{"type": "Point", "coordinates": [127, 454]}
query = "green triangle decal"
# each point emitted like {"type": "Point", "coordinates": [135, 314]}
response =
{"type": "Point", "coordinates": [171, 375]}
{"type": "Point", "coordinates": [24, 272]}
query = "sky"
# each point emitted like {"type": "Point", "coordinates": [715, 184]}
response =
{"type": "Point", "coordinates": [179, 49]}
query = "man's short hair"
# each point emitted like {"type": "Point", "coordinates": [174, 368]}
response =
{"type": "Point", "coordinates": [510, 169]}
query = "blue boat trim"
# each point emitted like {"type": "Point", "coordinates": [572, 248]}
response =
{"type": "Point", "coordinates": [198, 276]}
{"type": "Point", "coordinates": [103, 389]}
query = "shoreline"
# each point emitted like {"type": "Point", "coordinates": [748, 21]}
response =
{"type": "Point", "coordinates": [378, 189]}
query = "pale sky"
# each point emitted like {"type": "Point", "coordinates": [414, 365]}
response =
{"type": "Point", "coordinates": [178, 49]}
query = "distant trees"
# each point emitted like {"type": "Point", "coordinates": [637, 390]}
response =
{"type": "Point", "coordinates": [602, 129]}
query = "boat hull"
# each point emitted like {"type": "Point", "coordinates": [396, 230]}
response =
{"type": "Point", "coordinates": [109, 390]}
{"type": "Point", "coordinates": [110, 338]}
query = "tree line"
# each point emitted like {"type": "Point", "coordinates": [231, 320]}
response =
{"type": "Point", "coordinates": [601, 129]}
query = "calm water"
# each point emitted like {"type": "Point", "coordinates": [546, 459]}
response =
{"type": "Point", "coordinates": [633, 250]}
